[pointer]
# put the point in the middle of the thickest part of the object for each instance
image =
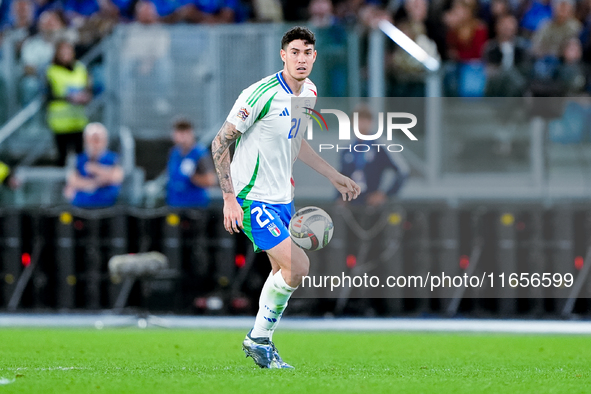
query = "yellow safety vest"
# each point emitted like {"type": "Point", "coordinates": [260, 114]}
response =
{"type": "Point", "coordinates": [4, 172]}
{"type": "Point", "coordinates": [63, 116]}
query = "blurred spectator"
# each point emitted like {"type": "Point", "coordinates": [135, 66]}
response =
{"type": "Point", "coordinates": [436, 29]}
{"type": "Point", "coordinates": [190, 169]}
{"type": "Point", "coordinates": [465, 40]}
{"type": "Point", "coordinates": [68, 93]}
{"type": "Point", "coordinates": [583, 13]}
{"type": "Point", "coordinates": [267, 10]}
{"type": "Point", "coordinates": [466, 34]}
{"type": "Point", "coordinates": [78, 11]}
{"type": "Point", "coordinates": [407, 73]}
{"type": "Point", "coordinates": [22, 15]}
{"type": "Point", "coordinates": [349, 11]}
{"type": "Point", "coordinates": [321, 13]}
{"type": "Point", "coordinates": [4, 15]}
{"type": "Point", "coordinates": [368, 168]}
{"type": "Point", "coordinates": [7, 177]}
{"type": "Point", "coordinates": [207, 11]}
{"type": "Point", "coordinates": [536, 13]}
{"type": "Point", "coordinates": [371, 14]}
{"type": "Point", "coordinates": [331, 41]}
{"type": "Point", "coordinates": [548, 40]}
{"type": "Point", "coordinates": [572, 72]}
{"type": "Point", "coordinates": [22, 21]}
{"type": "Point", "coordinates": [43, 5]}
{"type": "Point", "coordinates": [163, 8]}
{"type": "Point", "coordinates": [37, 52]}
{"type": "Point", "coordinates": [146, 60]}
{"type": "Point", "coordinates": [97, 178]}
{"type": "Point", "coordinates": [94, 19]}
{"type": "Point", "coordinates": [493, 11]}
{"type": "Point", "coordinates": [146, 13]}
{"type": "Point", "coordinates": [507, 60]}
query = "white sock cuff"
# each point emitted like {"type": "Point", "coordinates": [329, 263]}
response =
{"type": "Point", "coordinates": [280, 283]}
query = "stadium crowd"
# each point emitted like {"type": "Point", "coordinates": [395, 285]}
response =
{"type": "Point", "coordinates": [490, 47]}
{"type": "Point", "coordinates": [498, 48]}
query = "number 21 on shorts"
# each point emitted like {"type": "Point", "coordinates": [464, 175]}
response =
{"type": "Point", "coordinates": [258, 211]}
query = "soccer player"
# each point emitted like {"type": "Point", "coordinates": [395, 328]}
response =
{"type": "Point", "coordinates": [257, 182]}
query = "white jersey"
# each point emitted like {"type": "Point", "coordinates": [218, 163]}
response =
{"type": "Point", "coordinates": [271, 138]}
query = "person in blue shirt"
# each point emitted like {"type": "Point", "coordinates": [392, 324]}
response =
{"type": "Point", "coordinates": [190, 169]}
{"type": "Point", "coordinates": [164, 8]}
{"type": "Point", "coordinates": [209, 11]}
{"type": "Point", "coordinates": [367, 168]}
{"type": "Point", "coordinates": [118, 9]}
{"type": "Point", "coordinates": [97, 178]}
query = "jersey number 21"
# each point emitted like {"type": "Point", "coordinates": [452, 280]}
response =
{"type": "Point", "coordinates": [295, 127]}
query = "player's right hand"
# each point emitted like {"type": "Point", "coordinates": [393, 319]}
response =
{"type": "Point", "coordinates": [233, 215]}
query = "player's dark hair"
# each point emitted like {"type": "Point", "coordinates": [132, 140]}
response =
{"type": "Point", "coordinates": [182, 124]}
{"type": "Point", "coordinates": [298, 33]}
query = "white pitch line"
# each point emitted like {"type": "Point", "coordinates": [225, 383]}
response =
{"type": "Point", "coordinates": [105, 320]}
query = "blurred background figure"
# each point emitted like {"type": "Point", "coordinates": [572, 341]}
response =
{"type": "Point", "coordinates": [407, 74]}
{"type": "Point", "coordinates": [7, 177]}
{"type": "Point", "coordinates": [146, 62]}
{"type": "Point", "coordinates": [190, 169]}
{"type": "Point", "coordinates": [94, 19]}
{"type": "Point", "coordinates": [368, 169]}
{"type": "Point", "coordinates": [535, 13]}
{"type": "Point", "coordinates": [321, 13]}
{"type": "Point", "coordinates": [38, 51]}
{"type": "Point", "coordinates": [465, 40]}
{"type": "Point", "coordinates": [547, 42]}
{"type": "Point", "coordinates": [492, 12]}
{"type": "Point", "coordinates": [331, 40]}
{"type": "Point", "coordinates": [69, 91]}
{"type": "Point", "coordinates": [548, 48]}
{"type": "Point", "coordinates": [572, 72]}
{"type": "Point", "coordinates": [267, 11]}
{"type": "Point", "coordinates": [21, 21]}
{"type": "Point", "coordinates": [507, 60]}
{"type": "Point", "coordinates": [466, 34]}
{"type": "Point", "coordinates": [205, 11]}
{"type": "Point", "coordinates": [97, 178]}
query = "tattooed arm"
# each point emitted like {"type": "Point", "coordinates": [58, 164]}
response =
{"type": "Point", "coordinates": [233, 214]}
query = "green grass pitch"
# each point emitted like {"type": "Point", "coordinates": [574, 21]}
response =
{"type": "Point", "coordinates": [185, 361]}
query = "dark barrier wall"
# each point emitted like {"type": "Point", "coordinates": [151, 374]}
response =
{"type": "Point", "coordinates": [57, 259]}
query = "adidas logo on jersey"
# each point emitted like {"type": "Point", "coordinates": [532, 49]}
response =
{"type": "Point", "coordinates": [285, 112]}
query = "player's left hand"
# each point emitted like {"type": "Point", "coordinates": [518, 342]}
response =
{"type": "Point", "coordinates": [347, 187]}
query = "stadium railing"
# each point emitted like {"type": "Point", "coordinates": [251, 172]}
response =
{"type": "Point", "coordinates": [69, 250]}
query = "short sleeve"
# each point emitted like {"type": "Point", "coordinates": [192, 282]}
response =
{"type": "Point", "coordinates": [249, 105]}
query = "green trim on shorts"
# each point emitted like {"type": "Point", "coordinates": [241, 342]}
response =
{"type": "Point", "coordinates": [248, 225]}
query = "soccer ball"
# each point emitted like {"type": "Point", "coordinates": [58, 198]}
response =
{"type": "Point", "coordinates": [311, 228]}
